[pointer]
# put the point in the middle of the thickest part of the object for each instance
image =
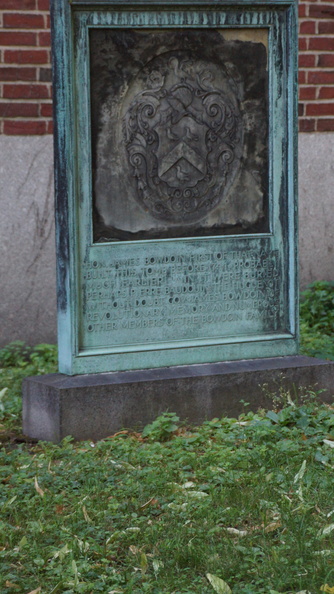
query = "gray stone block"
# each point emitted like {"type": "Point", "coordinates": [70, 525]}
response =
{"type": "Point", "coordinates": [27, 249]}
{"type": "Point", "coordinates": [97, 405]}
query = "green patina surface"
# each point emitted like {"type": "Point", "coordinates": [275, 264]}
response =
{"type": "Point", "coordinates": [179, 300]}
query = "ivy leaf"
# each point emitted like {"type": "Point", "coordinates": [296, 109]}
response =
{"type": "Point", "coordinates": [143, 562]}
{"type": "Point", "coordinates": [272, 416]}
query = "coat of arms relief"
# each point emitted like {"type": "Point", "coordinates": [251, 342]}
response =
{"type": "Point", "coordinates": [179, 133]}
{"type": "Point", "coordinates": [183, 137]}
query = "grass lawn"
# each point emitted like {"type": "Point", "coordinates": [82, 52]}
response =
{"type": "Point", "coordinates": [235, 505]}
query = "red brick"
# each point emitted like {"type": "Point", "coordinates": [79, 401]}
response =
{"type": "Point", "coordinates": [321, 78]}
{"type": "Point", "coordinates": [302, 10]}
{"type": "Point", "coordinates": [17, 110]}
{"type": "Point", "coordinates": [307, 93]}
{"type": "Point", "coordinates": [321, 11]}
{"type": "Point", "coordinates": [46, 110]}
{"type": "Point", "coordinates": [326, 93]}
{"type": "Point", "coordinates": [325, 125]}
{"type": "Point", "coordinates": [25, 91]}
{"type": "Point", "coordinates": [306, 125]}
{"type": "Point", "coordinates": [12, 73]}
{"type": "Point", "coordinates": [45, 74]}
{"type": "Point", "coordinates": [18, 4]}
{"type": "Point", "coordinates": [306, 61]}
{"type": "Point", "coordinates": [320, 109]}
{"type": "Point", "coordinates": [17, 38]}
{"type": "Point", "coordinates": [326, 60]}
{"type": "Point", "coordinates": [22, 127]}
{"type": "Point", "coordinates": [26, 57]}
{"type": "Point", "coordinates": [301, 109]}
{"type": "Point", "coordinates": [50, 128]}
{"type": "Point", "coordinates": [326, 28]}
{"type": "Point", "coordinates": [301, 77]}
{"type": "Point", "coordinates": [302, 44]}
{"type": "Point", "coordinates": [23, 21]}
{"type": "Point", "coordinates": [44, 39]}
{"type": "Point", "coordinates": [325, 44]}
{"type": "Point", "coordinates": [307, 28]}
{"type": "Point", "coordinates": [43, 5]}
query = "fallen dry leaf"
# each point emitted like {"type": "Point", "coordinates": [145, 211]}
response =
{"type": "Point", "coordinates": [86, 516]}
{"type": "Point", "coordinates": [145, 505]}
{"type": "Point", "coordinates": [38, 489]}
{"type": "Point", "coordinates": [134, 434]}
{"type": "Point", "coordinates": [236, 532]}
{"type": "Point", "coordinates": [218, 584]}
{"type": "Point", "coordinates": [272, 526]}
{"type": "Point", "coordinates": [124, 432]}
{"type": "Point", "coordinates": [327, 530]}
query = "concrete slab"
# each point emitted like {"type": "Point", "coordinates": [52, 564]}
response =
{"type": "Point", "coordinates": [97, 405]}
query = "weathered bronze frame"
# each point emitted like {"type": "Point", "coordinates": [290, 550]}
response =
{"type": "Point", "coordinates": [76, 252]}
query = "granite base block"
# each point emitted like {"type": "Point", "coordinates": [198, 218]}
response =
{"type": "Point", "coordinates": [97, 405]}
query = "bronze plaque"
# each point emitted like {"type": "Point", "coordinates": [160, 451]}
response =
{"type": "Point", "coordinates": [179, 133]}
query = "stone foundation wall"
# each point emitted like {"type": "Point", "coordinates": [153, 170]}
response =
{"type": "Point", "coordinates": [27, 260]}
{"type": "Point", "coordinates": [27, 247]}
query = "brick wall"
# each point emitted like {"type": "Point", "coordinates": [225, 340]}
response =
{"type": "Point", "coordinates": [316, 66]}
{"type": "Point", "coordinates": [25, 73]}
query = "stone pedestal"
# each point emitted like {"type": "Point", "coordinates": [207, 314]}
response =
{"type": "Point", "coordinates": [95, 406]}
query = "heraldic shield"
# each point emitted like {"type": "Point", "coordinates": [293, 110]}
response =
{"type": "Point", "coordinates": [183, 136]}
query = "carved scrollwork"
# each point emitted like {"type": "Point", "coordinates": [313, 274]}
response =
{"type": "Point", "coordinates": [182, 134]}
